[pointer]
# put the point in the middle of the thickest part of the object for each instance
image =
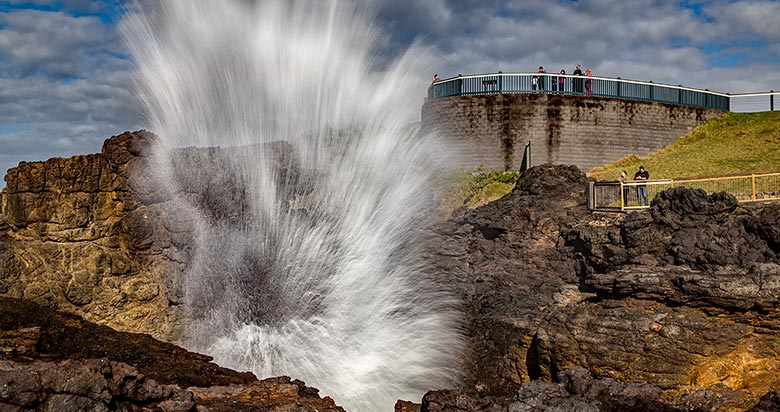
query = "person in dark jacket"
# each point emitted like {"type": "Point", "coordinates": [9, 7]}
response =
{"type": "Point", "coordinates": [641, 190]}
{"type": "Point", "coordinates": [577, 84]}
{"type": "Point", "coordinates": [538, 81]}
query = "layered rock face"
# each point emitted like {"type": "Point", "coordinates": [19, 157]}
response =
{"type": "Point", "coordinates": [106, 237]}
{"type": "Point", "coordinates": [76, 235]}
{"type": "Point", "coordinates": [682, 297]}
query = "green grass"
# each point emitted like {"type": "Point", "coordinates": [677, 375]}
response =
{"type": "Point", "coordinates": [455, 188]}
{"type": "Point", "coordinates": [490, 192]}
{"type": "Point", "coordinates": [737, 143]}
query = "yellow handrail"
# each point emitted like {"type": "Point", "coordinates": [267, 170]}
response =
{"type": "Point", "coordinates": [616, 195]}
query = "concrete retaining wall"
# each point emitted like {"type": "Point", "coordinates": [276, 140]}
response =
{"type": "Point", "coordinates": [581, 130]}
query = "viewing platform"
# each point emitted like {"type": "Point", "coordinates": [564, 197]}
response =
{"type": "Point", "coordinates": [509, 83]}
{"type": "Point", "coordinates": [488, 119]}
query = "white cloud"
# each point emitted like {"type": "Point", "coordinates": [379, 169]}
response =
{"type": "Point", "coordinates": [758, 18]}
{"type": "Point", "coordinates": [64, 85]}
{"type": "Point", "coordinates": [644, 39]}
{"type": "Point", "coordinates": [53, 43]}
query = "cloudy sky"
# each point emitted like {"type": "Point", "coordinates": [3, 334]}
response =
{"type": "Point", "coordinates": [66, 78]}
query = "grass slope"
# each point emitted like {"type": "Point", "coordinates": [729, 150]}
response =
{"type": "Point", "coordinates": [456, 188]}
{"type": "Point", "coordinates": [737, 143]}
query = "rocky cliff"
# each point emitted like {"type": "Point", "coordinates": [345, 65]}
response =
{"type": "Point", "coordinates": [683, 297]}
{"type": "Point", "coordinates": [673, 308]}
{"type": "Point", "coordinates": [75, 234]}
{"type": "Point", "coordinates": [105, 237]}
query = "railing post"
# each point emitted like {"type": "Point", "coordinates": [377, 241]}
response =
{"type": "Point", "coordinates": [771, 101]}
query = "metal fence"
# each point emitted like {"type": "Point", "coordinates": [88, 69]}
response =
{"type": "Point", "coordinates": [755, 102]}
{"type": "Point", "coordinates": [617, 196]}
{"type": "Point", "coordinates": [577, 85]}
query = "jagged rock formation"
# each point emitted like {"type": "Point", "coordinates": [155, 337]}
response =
{"type": "Point", "coordinates": [683, 297]}
{"type": "Point", "coordinates": [51, 361]}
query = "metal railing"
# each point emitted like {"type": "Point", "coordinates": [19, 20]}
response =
{"type": "Point", "coordinates": [578, 85]}
{"type": "Point", "coordinates": [618, 196]}
{"type": "Point", "coordinates": [755, 102]}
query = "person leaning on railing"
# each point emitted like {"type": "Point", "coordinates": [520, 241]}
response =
{"type": "Point", "coordinates": [641, 190]}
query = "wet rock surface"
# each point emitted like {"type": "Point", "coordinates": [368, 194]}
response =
{"type": "Point", "coordinates": [682, 297]}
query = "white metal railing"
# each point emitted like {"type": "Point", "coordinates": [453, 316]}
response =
{"type": "Point", "coordinates": [755, 102]}
{"type": "Point", "coordinates": [582, 85]}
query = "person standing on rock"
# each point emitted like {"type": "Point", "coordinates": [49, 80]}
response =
{"type": "Point", "coordinates": [641, 190]}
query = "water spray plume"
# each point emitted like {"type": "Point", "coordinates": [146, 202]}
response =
{"type": "Point", "coordinates": [317, 274]}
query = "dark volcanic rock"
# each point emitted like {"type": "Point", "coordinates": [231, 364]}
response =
{"type": "Point", "coordinates": [104, 385]}
{"type": "Point", "coordinates": [576, 392]}
{"type": "Point", "coordinates": [769, 403]}
{"type": "Point", "coordinates": [87, 385]}
{"type": "Point", "coordinates": [505, 261]}
{"type": "Point", "coordinates": [683, 296]}
{"type": "Point", "coordinates": [52, 361]}
{"type": "Point", "coordinates": [30, 331]}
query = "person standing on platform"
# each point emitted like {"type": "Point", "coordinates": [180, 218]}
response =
{"type": "Point", "coordinates": [577, 82]}
{"type": "Point", "coordinates": [641, 190]}
{"type": "Point", "coordinates": [588, 82]}
{"type": "Point", "coordinates": [626, 189]}
{"type": "Point", "coordinates": [562, 81]}
{"type": "Point", "coordinates": [538, 81]}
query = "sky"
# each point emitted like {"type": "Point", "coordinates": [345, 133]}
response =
{"type": "Point", "coordinates": [66, 78]}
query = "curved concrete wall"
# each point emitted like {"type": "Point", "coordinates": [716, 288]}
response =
{"type": "Point", "coordinates": [584, 131]}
